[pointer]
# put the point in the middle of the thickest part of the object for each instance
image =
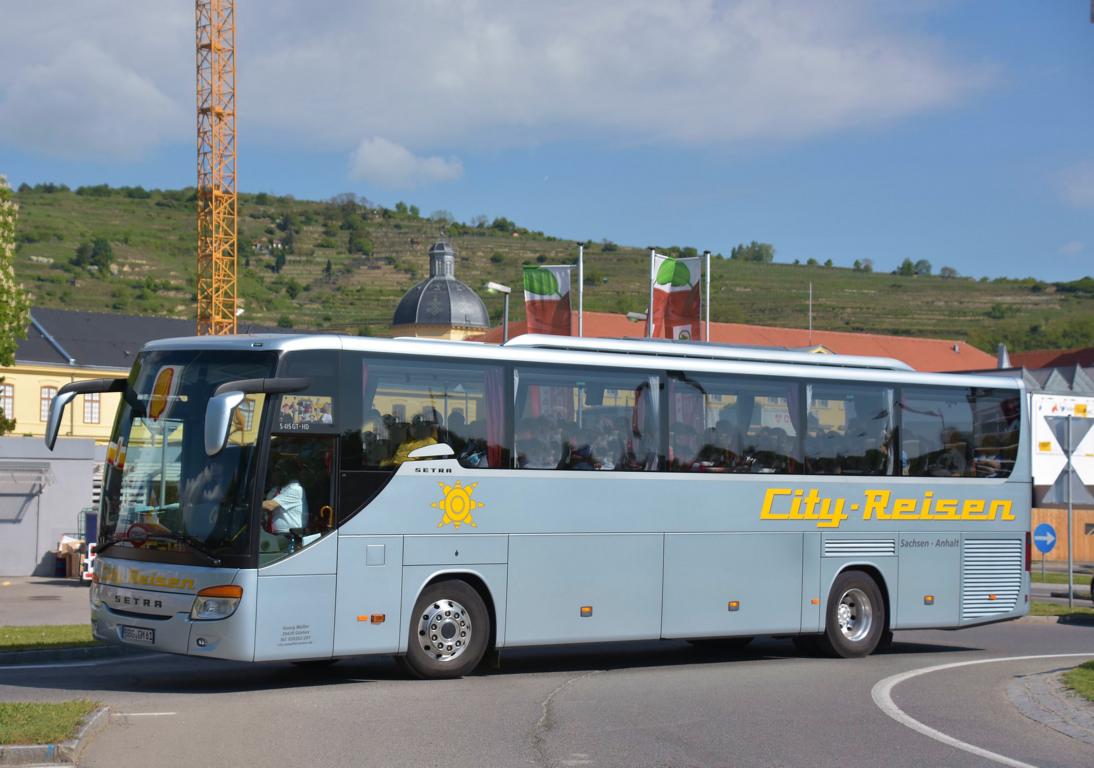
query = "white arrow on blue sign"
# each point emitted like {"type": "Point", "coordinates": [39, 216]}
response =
{"type": "Point", "coordinates": [1044, 536]}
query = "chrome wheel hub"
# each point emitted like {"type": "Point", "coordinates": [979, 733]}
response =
{"type": "Point", "coordinates": [855, 615]}
{"type": "Point", "coordinates": [444, 630]}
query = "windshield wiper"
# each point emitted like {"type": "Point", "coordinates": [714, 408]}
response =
{"type": "Point", "coordinates": [195, 544]}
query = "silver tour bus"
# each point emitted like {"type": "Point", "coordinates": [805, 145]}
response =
{"type": "Point", "coordinates": [308, 498]}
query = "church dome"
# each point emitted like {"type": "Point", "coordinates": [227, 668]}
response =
{"type": "Point", "coordinates": [441, 299]}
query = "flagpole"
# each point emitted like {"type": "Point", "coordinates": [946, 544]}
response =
{"type": "Point", "coordinates": [649, 309]}
{"type": "Point", "coordinates": [706, 336]}
{"type": "Point", "coordinates": [581, 289]}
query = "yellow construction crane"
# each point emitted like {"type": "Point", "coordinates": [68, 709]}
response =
{"type": "Point", "coordinates": [217, 199]}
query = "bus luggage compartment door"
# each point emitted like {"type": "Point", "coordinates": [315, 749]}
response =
{"type": "Point", "coordinates": [552, 577]}
{"type": "Point", "coordinates": [705, 574]}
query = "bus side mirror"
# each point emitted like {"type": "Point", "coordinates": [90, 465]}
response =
{"type": "Point", "coordinates": [218, 413]}
{"type": "Point", "coordinates": [56, 412]}
{"type": "Point", "coordinates": [218, 419]}
{"type": "Point", "coordinates": [67, 393]}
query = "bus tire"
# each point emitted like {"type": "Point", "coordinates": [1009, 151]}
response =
{"type": "Point", "coordinates": [449, 631]}
{"type": "Point", "coordinates": [855, 617]}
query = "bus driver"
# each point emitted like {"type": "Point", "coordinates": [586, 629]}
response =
{"type": "Point", "coordinates": [286, 505]}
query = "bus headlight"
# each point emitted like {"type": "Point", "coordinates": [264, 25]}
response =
{"type": "Point", "coordinates": [214, 603]}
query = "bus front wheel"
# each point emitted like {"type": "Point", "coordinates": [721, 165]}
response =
{"type": "Point", "coordinates": [855, 618]}
{"type": "Point", "coordinates": [449, 631]}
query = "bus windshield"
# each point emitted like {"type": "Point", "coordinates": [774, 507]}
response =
{"type": "Point", "coordinates": [163, 498]}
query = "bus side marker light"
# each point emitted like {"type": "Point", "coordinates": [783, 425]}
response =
{"type": "Point", "coordinates": [928, 599]}
{"type": "Point", "coordinates": [815, 601]}
{"type": "Point", "coordinates": [364, 617]}
{"type": "Point", "coordinates": [378, 618]}
{"type": "Point", "coordinates": [734, 605]}
{"type": "Point", "coordinates": [586, 611]}
{"type": "Point", "coordinates": [993, 597]}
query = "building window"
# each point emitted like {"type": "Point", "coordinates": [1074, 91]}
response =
{"type": "Point", "coordinates": [7, 399]}
{"type": "Point", "coordinates": [247, 409]}
{"type": "Point", "coordinates": [91, 408]}
{"type": "Point", "coordinates": [48, 393]}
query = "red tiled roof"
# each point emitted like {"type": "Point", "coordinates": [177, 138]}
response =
{"type": "Point", "coordinates": [1053, 358]}
{"type": "Point", "coordinates": [922, 354]}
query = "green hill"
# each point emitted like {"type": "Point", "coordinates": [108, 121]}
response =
{"type": "Point", "coordinates": [375, 254]}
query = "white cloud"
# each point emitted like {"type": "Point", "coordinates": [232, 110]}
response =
{"type": "Point", "coordinates": [1076, 185]}
{"type": "Point", "coordinates": [464, 74]}
{"type": "Point", "coordinates": [1071, 248]}
{"type": "Point", "coordinates": [388, 164]}
{"type": "Point", "coordinates": [99, 82]}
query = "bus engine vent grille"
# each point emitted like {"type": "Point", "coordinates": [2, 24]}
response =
{"type": "Point", "coordinates": [859, 547]}
{"type": "Point", "coordinates": [991, 577]}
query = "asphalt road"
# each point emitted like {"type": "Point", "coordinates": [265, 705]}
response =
{"type": "Point", "coordinates": [642, 704]}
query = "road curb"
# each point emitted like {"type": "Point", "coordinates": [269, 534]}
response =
{"type": "Point", "coordinates": [61, 752]}
{"type": "Point", "coordinates": [1082, 621]}
{"type": "Point", "coordinates": [1045, 699]}
{"type": "Point", "coordinates": [47, 655]}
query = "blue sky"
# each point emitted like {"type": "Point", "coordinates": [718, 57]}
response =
{"type": "Point", "coordinates": [960, 132]}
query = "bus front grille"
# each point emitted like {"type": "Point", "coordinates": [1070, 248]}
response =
{"type": "Point", "coordinates": [991, 577]}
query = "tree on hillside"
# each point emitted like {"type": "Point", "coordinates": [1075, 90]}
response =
{"type": "Point", "coordinates": [759, 252]}
{"type": "Point", "coordinates": [947, 272]}
{"type": "Point", "coordinates": [414, 212]}
{"type": "Point", "coordinates": [922, 268]}
{"type": "Point", "coordinates": [401, 209]}
{"type": "Point", "coordinates": [828, 262]}
{"type": "Point", "coordinates": [279, 262]}
{"type": "Point", "coordinates": [14, 302]}
{"type": "Point", "coordinates": [442, 216]}
{"type": "Point", "coordinates": [906, 268]}
{"type": "Point", "coordinates": [98, 254]}
{"type": "Point", "coordinates": [328, 271]}
{"type": "Point", "coordinates": [867, 265]}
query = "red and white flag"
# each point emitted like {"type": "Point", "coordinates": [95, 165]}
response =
{"type": "Point", "coordinates": [676, 298]}
{"type": "Point", "coordinates": [547, 300]}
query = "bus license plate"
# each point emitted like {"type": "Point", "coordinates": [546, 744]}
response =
{"type": "Point", "coordinates": [138, 635]}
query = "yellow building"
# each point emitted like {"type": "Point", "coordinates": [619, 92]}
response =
{"type": "Point", "coordinates": [63, 347]}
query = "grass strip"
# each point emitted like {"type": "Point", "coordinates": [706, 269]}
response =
{"type": "Point", "coordinates": [45, 637]}
{"type": "Point", "coordinates": [1055, 577]}
{"type": "Point", "coordinates": [1044, 608]}
{"type": "Point", "coordinates": [1081, 680]}
{"type": "Point", "coordinates": [34, 722]}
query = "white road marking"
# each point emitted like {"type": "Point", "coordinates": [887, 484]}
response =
{"type": "Point", "coordinates": [69, 664]}
{"type": "Point", "coordinates": [882, 696]}
{"type": "Point", "coordinates": [143, 714]}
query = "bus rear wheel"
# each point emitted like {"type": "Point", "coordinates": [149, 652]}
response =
{"type": "Point", "coordinates": [449, 631]}
{"type": "Point", "coordinates": [855, 617]}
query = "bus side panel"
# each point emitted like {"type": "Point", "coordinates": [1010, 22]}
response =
{"type": "Point", "coordinates": [551, 577]}
{"type": "Point", "coordinates": [295, 615]}
{"type": "Point", "coordinates": [705, 573]}
{"type": "Point", "coordinates": [930, 573]}
{"type": "Point", "coordinates": [370, 580]}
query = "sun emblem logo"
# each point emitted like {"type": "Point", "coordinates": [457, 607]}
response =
{"type": "Point", "coordinates": [457, 504]}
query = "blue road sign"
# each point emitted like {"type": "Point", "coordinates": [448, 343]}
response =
{"type": "Point", "coordinates": [1044, 536]}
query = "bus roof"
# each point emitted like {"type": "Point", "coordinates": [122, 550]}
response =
{"type": "Point", "coordinates": [704, 350]}
{"type": "Point", "coordinates": [587, 352]}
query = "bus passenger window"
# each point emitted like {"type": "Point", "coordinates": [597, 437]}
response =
{"type": "Point", "coordinates": [408, 404]}
{"type": "Point", "coordinates": [936, 432]}
{"type": "Point", "coordinates": [729, 424]}
{"type": "Point", "coordinates": [849, 429]}
{"type": "Point", "coordinates": [582, 420]}
{"type": "Point", "coordinates": [995, 432]}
